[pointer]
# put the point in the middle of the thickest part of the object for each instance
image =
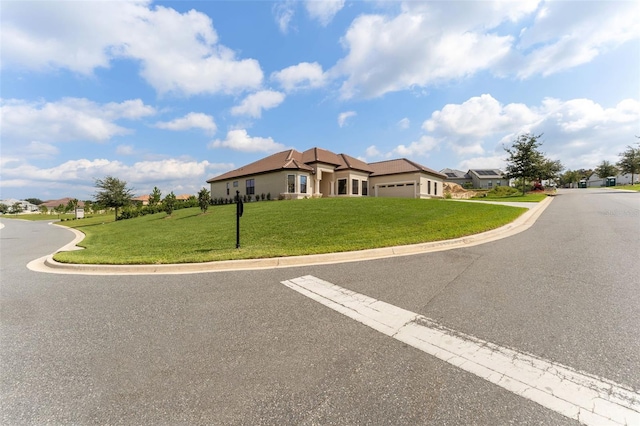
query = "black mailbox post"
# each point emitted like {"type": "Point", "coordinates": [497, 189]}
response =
{"type": "Point", "coordinates": [239, 211]}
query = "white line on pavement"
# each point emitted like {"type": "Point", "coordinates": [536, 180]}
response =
{"type": "Point", "coordinates": [574, 394]}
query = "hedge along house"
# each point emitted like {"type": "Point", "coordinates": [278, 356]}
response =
{"type": "Point", "coordinates": [320, 173]}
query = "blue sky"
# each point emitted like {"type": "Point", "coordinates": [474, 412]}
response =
{"type": "Point", "coordinates": [170, 94]}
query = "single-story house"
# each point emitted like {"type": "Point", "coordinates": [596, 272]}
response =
{"type": "Point", "coordinates": [595, 181]}
{"type": "Point", "coordinates": [458, 176]}
{"type": "Point", "coordinates": [26, 206]}
{"type": "Point", "coordinates": [320, 173]}
{"type": "Point", "coordinates": [52, 204]}
{"type": "Point", "coordinates": [487, 178]}
{"type": "Point", "coordinates": [142, 200]}
{"type": "Point", "coordinates": [477, 178]}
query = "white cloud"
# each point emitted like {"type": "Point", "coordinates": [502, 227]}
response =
{"type": "Point", "coordinates": [70, 119]}
{"type": "Point", "coordinates": [419, 148]}
{"type": "Point", "coordinates": [344, 116]}
{"type": "Point", "coordinates": [580, 132]}
{"type": "Point", "coordinates": [430, 43]}
{"type": "Point", "coordinates": [323, 11]}
{"type": "Point", "coordinates": [239, 140]}
{"type": "Point", "coordinates": [372, 151]}
{"type": "Point", "coordinates": [253, 104]}
{"type": "Point", "coordinates": [489, 162]}
{"type": "Point", "coordinates": [554, 43]}
{"type": "Point", "coordinates": [177, 52]}
{"type": "Point", "coordinates": [37, 149]}
{"type": "Point", "coordinates": [124, 150]}
{"type": "Point", "coordinates": [77, 177]}
{"type": "Point", "coordinates": [412, 49]}
{"type": "Point", "coordinates": [283, 12]}
{"type": "Point", "coordinates": [302, 76]}
{"type": "Point", "coordinates": [404, 123]}
{"type": "Point", "coordinates": [193, 120]}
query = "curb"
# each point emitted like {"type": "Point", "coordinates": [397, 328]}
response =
{"type": "Point", "coordinates": [522, 223]}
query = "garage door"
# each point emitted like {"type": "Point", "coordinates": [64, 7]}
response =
{"type": "Point", "coordinates": [405, 190]}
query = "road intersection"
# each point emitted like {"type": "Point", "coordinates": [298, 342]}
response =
{"type": "Point", "coordinates": [238, 347]}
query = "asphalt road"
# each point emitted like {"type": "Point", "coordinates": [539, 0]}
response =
{"type": "Point", "coordinates": [241, 348]}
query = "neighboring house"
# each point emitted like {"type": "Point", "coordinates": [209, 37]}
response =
{"type": "Point", "coordinates": [26, 206]}
{"type": "Point", "coordinates": [595, 181]}
{"type": "Point", "coordinates": [142, 199]}
{"type": "Point", "coordinates": [320, 173]}
{"type": "Point", "coordinates": [458, 176]}
{"type": "Point", "coordinates": [183, 197]}
{"type": "Point", "coordinates": [487, 178]}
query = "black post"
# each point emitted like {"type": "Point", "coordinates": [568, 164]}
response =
{"type": "Point", "coordinates": [239, 211]}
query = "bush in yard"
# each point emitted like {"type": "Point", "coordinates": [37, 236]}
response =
{"type": "Point", "coordinates": [502, 191]}
{"type": "Point", "coordinates": [169, 203]}
{"type": "Point", "coordinates": [204, 198]}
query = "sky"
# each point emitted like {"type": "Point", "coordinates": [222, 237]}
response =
{"type": "Point", "coordinates": [170, 94]}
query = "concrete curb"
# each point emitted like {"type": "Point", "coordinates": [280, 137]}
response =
{"type": "Point", "coordinates": [524, 222]}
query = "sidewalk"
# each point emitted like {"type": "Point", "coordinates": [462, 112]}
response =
{"type": "Point", "coordinates": [524, 222]}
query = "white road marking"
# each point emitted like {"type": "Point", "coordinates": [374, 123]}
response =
{"type": "Point", "coordinates": [574, 394]}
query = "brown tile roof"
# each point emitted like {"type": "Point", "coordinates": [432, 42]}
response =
{"type": "Point", "coordinates": [142, 198]}
{"type": "Point", "coordinates": [349, 162]}
{"type": "Point", "coordinates": [319, 155]}
{"type": "Point", "coordinates": [401, 165]}
{"type": "Point", "coordinates": [285, 160]}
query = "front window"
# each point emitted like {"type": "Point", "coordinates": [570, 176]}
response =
{"type": "Point", "coordinates": [228, 188]}
{"type": "Point", "coordinates": [435, 188]}
{"type": "Point", "coordinates": [303, 184]}
{"type": "Point", "coordinates": [355, 184]}
{"type": "Point", "coordinates": [489, 184]}
{"type": "Point", "coordinates": [291, 184]}
{"type": "Point", "coordinates": [428, 187]}
{"type": "Point", "coordinates": [251, 186]}
{"type": "Point", "coordinates": [365, 187]}
{"type": "Point", "coordinates": [342, 187]}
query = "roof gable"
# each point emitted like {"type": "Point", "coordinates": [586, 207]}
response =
{"type": "Point", "coordinates": [402, 165]}
{"type": "Point", "coordinates": [285, 160]}
{"type": "Point", "coordinates": [487, 173]}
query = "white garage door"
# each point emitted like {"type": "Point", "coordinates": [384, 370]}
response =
{"type": "Point", "coordinates": [405, 190]}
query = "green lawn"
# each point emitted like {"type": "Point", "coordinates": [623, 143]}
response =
{"type": "Point", "coordinates": [39, 216]}
{"type": "Point", "coordinates": [281, 228]}
{"type": "Point", "coordinates": [528, 198]}
{"type": "Point", "coordinates": [635, 187]}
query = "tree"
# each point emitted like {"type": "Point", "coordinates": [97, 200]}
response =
{"type": "Point", "coordinates": [16, 208]}
{"type": "Point", "coordinates": [204, 198]}
{"type": "Point", "coordinates": [72, 205]}
{"type": "Point", "coordinates": [630, 162]}
{"type": "Point", "coordinates": [570, 177]}
{"type": "Point", "coordinates": [606, 169]}
{"type": "Point", "coordinates": [550, 169]}
{"type": "Point", "coordinates": [169, 203]}
{"type": "Point", "coordinates": [525, 161]}
{"type": "Point", "coordinates": [43, 209]}
{"type": "Point", "coordinates": [155, 197]}
{"type": "Point", "coordinates": [113, 192]}
{"type": "Point", "coordinates": [4, 208]}
{"type": "Point", "coordinates": [34, 201]}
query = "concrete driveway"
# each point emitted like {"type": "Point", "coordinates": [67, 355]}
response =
{"type": "Point", "coordinates": [241, 348]}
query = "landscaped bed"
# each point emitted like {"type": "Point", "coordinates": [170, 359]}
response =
{"type": "Point", "coordinates": [281, 228]}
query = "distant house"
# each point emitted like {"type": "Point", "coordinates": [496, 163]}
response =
{"type": "Point", "coordinates": [477, 178]}
{"type": "Point", "coordinates": [458, 176]}
{"type": "Point", "coordinates": [26, 206]}
{"type": "Point", "coordinates": [320, 173]}
{"type": "Point", "coordinates": [487, 178]}
{"type": "Point", "coordinates": [142, 200]}
{"type": "Point", "coordinates": [595, 181]}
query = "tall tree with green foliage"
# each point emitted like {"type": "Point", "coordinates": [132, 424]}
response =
{"type": "Point", "coordinates": [605, 169]}
{"type": "Point", "coordinates": [169, 203]}
{"type": "Point", "coordinates": [525, 160]}
{"type": "Point", "coordinates": [113, 192]}
{"type": "Point", "coordinates": [155, 197]}
{"type": "Point", "coordinates": [204, 199]}
{"type": "Point", "coordinates": [630, 162]}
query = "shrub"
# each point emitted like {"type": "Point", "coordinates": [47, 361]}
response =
{"type": "Point", "coordinates": [502, 191]}
{"type": "Point", "coordinates": [269, 196]}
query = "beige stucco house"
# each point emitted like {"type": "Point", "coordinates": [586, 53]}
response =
{"type": "Point", "coordinates": [320, 173]}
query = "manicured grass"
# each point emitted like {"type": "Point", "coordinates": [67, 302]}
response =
{"type": "Point", "coordinates": [635, 187]}
{"type": "Point", "coordinates": [529, 198]}
{"type": "Point", "coordinates": [282, 228]}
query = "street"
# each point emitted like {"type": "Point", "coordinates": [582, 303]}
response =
{"type": "Point", "coordinates": [242, 348]}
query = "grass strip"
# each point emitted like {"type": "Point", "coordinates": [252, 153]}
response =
{"type": "Point", "coordinates": [281, 228]}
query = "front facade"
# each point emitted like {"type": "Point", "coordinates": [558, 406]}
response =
{"type": "Point", "coordinates": [487, 178]}
{"type": "Point", "coordinates": [320, 173]}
